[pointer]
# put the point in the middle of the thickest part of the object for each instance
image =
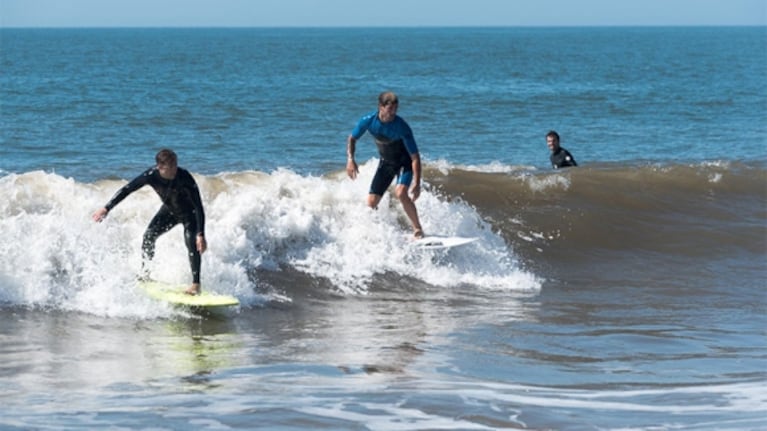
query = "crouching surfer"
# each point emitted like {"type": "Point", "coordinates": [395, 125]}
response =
{"type": "Point", "coordinates": [181, 204]}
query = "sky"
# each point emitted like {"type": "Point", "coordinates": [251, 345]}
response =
{"type": "Point", "coordinates": [386, 13]}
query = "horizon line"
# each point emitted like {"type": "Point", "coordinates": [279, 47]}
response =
{"type": "Point", "coordinates": [20, 27]}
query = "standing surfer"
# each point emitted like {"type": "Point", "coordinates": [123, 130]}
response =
{"type": "Point", "coordinates": [181, 203]}
{"type": "Point", "coordinates": [398, 157]}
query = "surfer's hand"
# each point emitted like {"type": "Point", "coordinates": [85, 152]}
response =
{"type": "Point", "coordinates": [202, 245]}
{"type": "Point", "coordinates": [416, 191]}
{"type": "Point", "coordinates": [351, 168]}
{"type": "Point", "coordinates": [99, 215]}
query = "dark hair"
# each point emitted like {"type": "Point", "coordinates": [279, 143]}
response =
{"type": "Point", "coordinates": [386, 98]}
{"type": "Point", "coordinates": [166, 156]}
{"type": "Point", "coordinates": [554, 134]}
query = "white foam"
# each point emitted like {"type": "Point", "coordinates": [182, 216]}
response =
{"type": "Point", "coordinates": [494, 167]}
{"type": "Point", "coordinates": [55, 255]}
{"type": "Point", "coordinates": [557, 181]}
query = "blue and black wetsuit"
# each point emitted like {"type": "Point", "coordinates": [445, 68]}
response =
{"type": "Point", "coordinates": [395, 144]}
{"type": "Point", "coordinates": [181, 203]}
{"type": "Point", "coordinates": [562, 158]}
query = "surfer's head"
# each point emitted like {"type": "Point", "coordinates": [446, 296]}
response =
{"type": "Point", "coordinates": [387, 106]}
{"type": "Point", "coordinates": [167, 163]}
{"type": "Point", "coordinates": [387, 98]}
{"type": "Point", "coordinates": [552, 140]}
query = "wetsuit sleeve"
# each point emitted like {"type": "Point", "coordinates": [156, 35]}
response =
{"type": "Point", "coordinates": [572, 159]}
{"type": "Point", "coordinates": [199, 212]}
{"type": "Point", "coordinates": [135, 184]}
{"type": "Point", "coordinates": [408, 138]}
{"type": "Point", "coordinates": [363, 125]}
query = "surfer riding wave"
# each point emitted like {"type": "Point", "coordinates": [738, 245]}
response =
{"type": "Point", "coordinates": [181, 205]}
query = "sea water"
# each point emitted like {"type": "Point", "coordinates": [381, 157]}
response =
{"type": "Point", "coordinates": [627, 293]}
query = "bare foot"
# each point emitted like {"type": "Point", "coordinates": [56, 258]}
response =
{"type": "Point", "coordinates": [418, 234]}
{"type": "Point", "coordinates": [194, 290]}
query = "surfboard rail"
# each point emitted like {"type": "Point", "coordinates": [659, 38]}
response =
{"type": "Point", "coordinates": [436, 242]}
{"type": "Point", "coordinates": [174, 294]}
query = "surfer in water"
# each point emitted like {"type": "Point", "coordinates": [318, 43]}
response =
{"type": "Point", "coordinates": [560, 158]}
{"type": "Point", "coordinates": [398, 157]}
{"type": "Point", "coordinates": [181, 203]}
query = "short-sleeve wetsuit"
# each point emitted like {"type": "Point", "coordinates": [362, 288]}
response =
{"type": "Point", "coordinates": [181, 204]}
{"type": "Point", "coordinates": [562, 158]}
{"type": "Point", "coordinates": [395, 144]}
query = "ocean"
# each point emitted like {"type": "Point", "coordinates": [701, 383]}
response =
{"type": "Point", "coordinates": [628, 293]}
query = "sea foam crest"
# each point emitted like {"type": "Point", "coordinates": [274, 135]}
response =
{"type": "Point", "coordinates": [56, 256]}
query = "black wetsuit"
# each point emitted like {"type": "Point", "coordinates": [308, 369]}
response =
{"type": "Point", "coordinates": [562, 158]}
{"type": "Point", "coordinates": [181, 204]}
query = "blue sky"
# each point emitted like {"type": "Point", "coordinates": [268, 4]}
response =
{"type": "Point", "coordinates": [344, 13]}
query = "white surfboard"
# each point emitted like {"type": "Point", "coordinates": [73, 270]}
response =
{"type": "Point", "coordinates": [435, 242]}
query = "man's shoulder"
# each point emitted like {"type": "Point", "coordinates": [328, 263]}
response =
{"type": "Point", "coordinates": [186, 176]}
{"type": "Point", "coordinates": [148, 173]}
{"type": "Point", "coordinates": [400, 122]}
{"type": "Point", "coordinates": [184, 173]}
{"type": "Point", "coordinates": [369, 116]}
{"type": "Point", "coordinates": [366, 121]}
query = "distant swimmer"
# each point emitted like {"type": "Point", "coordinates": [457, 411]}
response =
{"type": "Point", "coordinates": [560, 158]}
{"type": "Point", "coordinates": [181, 203]}
{"type": "Point", "coordinates": [398, 157]}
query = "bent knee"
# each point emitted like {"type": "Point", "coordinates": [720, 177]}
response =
{"type": "Point", "coordinates": [373, 200]}
{"type": "Point", "coordinates": [401, 193]}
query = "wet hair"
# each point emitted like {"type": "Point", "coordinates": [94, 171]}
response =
{"type": "Point", "coordinates": [165, 157]}
{"type": "Point", "coordinates": [387, 98]}
{"type": "Point", "coordinates": [554, 134]}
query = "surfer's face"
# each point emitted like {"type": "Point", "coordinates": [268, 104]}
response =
{"type": "Point", "coordinates": [167, 170]}
{"type": "Point", "coordinates": [552, 142]}
{"type": "Point", "coordinates": [387, 111]}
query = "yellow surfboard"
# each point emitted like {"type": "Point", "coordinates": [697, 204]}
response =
{"type": "Point", "coordinates": [174, 294]}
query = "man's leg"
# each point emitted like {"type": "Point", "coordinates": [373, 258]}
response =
{"type": "Point", "coordinates": [162, 222]}
{"type": "Point", "coordinates": [408, 205]}
{"type": "Point", "coordinates": [195, 260]}
{"type": "Point", "coordinates": [373, 200]}
{"type": "Point", "coordinates": [381, 181]}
